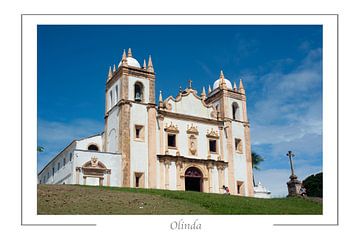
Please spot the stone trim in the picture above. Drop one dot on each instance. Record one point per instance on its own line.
(189, 117)
(171, 128)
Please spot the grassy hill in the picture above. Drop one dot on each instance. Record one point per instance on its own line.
(76, 199)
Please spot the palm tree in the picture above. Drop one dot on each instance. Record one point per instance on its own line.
(256, 160)
(40, 149)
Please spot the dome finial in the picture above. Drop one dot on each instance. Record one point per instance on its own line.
(222, 80)
(190, 83)
(241, 87)
(129, 53)
(123, 59)
(221, 74)
(110, 73)
(150, 65)
(161, 104)
(203, 94)
(144, 65)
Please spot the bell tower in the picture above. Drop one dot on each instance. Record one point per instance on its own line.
(130, 120)
(230, 103)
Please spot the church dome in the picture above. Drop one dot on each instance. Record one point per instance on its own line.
(131, 61)
(218, 81)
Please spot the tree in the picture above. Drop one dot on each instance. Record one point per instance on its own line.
(313, 185)
(256, 160)
(40, 149)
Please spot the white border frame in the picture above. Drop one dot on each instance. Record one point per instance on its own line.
(211, 223)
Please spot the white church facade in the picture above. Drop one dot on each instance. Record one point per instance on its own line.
(187, 142)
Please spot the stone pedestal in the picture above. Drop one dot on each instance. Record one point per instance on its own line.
(294, 186)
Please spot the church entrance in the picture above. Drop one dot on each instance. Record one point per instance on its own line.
(193, 179)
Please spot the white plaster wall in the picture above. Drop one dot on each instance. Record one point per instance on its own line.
(182, 138)
(138, 149)
(172, 176)
(113, 90)
(145, 82)
(226, 175)
(190, 105)
(157, 174)
(113, 130)
(110, 160)
(84, 143)
(239, 159)
(215, 181)
(65, 172)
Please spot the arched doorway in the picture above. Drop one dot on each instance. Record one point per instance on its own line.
(193, 179)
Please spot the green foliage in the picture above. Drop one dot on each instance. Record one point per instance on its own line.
(256, 160)
(314, 185)
(40, 149)
(71, 199)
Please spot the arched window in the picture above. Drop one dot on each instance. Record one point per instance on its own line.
(138, 92)
(116, 94)
(235, 111)
(111, 99)
(93, 147)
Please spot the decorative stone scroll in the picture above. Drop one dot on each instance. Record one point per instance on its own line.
(212, 134)
(192, 130)
(171, 128)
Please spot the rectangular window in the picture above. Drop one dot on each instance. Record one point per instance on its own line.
(53, 171)
(139, 132)
(70, 157)
(48, 175)
(64, 161)
(58, 166)
(212, 146)
(139, 180)
(238, 146)
(239, 187)
(172, 140)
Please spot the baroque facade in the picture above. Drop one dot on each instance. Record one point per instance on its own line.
(187, 142)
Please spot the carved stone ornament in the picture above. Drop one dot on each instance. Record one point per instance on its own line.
(171, 128)
(192, 130)
(168, 106)
(213, 114)
(212, 134)
(192, 147)
(94, 162)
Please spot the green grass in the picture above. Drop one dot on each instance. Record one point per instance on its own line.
(71, 199)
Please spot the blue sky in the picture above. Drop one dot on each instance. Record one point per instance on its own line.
(281, 68)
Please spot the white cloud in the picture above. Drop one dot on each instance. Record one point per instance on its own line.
(275, 179)
(56, 135)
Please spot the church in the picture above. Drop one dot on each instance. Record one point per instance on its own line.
(184, 142)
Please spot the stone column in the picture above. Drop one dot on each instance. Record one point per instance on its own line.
(108, 179)
(249, 169)
(161, 134)
(162, 179)
(151, 146)
(210, 169)
(230, 156)
(220, 169)
(178, 172)
(84, 179)
(167, 169)
(78, 175)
